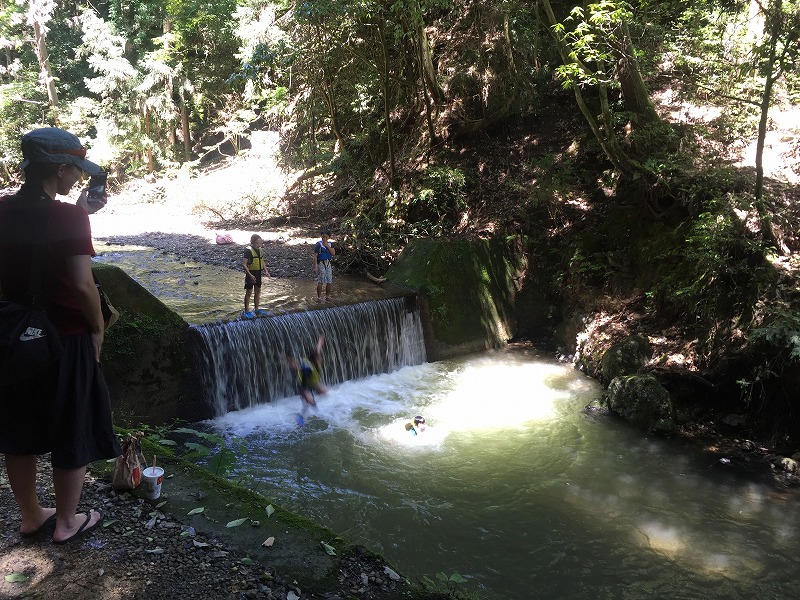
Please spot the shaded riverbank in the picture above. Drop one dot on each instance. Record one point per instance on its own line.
(159, 551)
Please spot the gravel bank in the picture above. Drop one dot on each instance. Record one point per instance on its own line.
(144, 551)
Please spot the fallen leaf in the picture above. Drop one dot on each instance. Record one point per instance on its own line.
(391, 573)
(329, 549)
(160, 504)
(109, 523)
(269, 510)
(155, 551)
(247, 561)
(16, 578)
(197, 511)
(268, 542)
(200, 544)
(237, 522)
(292, 596)
(127, 533)
(151, 523)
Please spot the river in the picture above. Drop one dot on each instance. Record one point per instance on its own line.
(516, 489)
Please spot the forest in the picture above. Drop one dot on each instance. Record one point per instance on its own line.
(606, 135)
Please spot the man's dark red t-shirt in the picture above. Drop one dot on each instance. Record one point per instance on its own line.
(66, 232)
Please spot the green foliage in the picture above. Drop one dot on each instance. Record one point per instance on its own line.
(779, 327)
(439, 200)
(593, 40)
(712, 270)
(449, 585)
(223, 452)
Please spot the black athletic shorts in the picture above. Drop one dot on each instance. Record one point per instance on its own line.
(248, 284)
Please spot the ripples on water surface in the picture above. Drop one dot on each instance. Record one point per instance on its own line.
(517, 490)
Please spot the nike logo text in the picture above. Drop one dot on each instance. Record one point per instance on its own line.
(31, 333)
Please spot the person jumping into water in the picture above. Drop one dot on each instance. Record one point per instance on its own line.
(308, 371)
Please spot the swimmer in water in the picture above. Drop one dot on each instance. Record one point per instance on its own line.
(417, 426)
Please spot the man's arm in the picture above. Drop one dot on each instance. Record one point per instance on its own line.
(79, 272)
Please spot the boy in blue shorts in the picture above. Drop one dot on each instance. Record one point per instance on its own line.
(254, 268)
(323, 269)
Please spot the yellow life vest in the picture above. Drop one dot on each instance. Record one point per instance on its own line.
(256, 262)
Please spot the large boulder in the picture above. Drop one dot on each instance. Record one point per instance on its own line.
(467, 288)
(625, 357)
(643, 401)
(144, 358)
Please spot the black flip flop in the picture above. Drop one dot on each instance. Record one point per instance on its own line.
(49, 523)
(83, 529)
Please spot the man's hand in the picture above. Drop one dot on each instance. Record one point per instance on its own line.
(97, 342)
(91, 207)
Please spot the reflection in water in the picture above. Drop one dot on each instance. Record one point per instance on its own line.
(517, 490)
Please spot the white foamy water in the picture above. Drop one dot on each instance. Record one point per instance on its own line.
(516, 489)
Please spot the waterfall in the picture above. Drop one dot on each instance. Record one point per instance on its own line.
(243, 363)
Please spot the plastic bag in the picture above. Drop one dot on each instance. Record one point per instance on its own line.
(224, 238)
(128, 468)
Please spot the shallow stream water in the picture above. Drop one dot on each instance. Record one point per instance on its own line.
(512, 486)
(515, 488)
(202, 293)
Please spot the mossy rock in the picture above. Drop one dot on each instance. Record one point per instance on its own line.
(643, 401)
(145, 359)
(468, 290)
(625, 357)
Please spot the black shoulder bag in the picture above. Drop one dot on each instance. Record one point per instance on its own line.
(29, 342)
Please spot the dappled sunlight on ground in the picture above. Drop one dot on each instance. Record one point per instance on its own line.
(24, 559)
(781, 145)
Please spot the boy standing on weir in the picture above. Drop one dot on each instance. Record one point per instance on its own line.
(323, 269)
(254, 268)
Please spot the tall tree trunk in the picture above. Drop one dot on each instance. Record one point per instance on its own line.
(537, 45)
(635, 95)
(167, 28)
(185, 131)
(426, 99)
(333, 113)
(147, 135)
(387, 112)
(426, 61)
(45, 73)
(772, 25)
